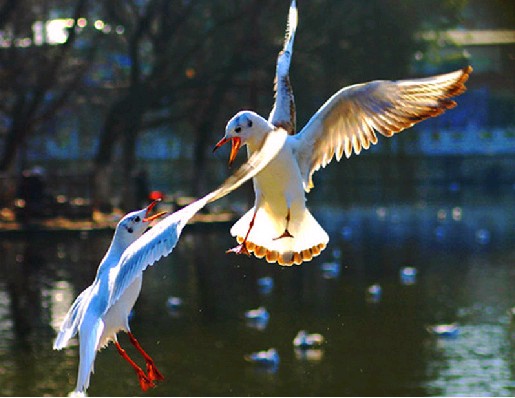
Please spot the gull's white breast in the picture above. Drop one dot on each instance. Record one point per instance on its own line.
(116, 318)
(280, 184)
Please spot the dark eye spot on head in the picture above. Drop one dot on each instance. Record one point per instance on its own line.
(130, 230)
(137, 219)
(238, 129)
(249, 123)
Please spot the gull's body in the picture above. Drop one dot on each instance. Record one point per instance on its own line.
(102, 309)
(279, 226)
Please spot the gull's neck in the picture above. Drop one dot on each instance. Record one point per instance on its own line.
(261, 130)
(113, 254)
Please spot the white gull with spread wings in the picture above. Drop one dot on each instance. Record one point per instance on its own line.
(279, 227)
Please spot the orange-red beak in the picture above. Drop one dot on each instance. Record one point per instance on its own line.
(149, 208)
(236, 144)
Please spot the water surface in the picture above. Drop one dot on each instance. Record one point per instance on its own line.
(464, 254)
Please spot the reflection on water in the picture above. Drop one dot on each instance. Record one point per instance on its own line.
(463, 257)
(60, 296)
(476, 363)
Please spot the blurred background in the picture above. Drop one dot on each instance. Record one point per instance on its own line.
(104, 104)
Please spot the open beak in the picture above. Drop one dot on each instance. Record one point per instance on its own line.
(149, 209)
(236, 144)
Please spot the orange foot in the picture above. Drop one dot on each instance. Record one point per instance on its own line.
(153, 373)
(240, 249)
(144, 381)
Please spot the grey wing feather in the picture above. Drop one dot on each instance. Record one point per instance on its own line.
(347, 122)
(283, 113)
(162, 238)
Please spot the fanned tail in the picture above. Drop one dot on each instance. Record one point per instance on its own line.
(308, 240)
(90, 331)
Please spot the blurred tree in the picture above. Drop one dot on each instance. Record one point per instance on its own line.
(37, 78)
(189, 65)
(180, 62)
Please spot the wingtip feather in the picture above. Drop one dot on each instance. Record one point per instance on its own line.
(62, 339)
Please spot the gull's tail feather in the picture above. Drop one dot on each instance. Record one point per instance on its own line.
(90, 331)
(78, 394)
(70, 324)
(308, 240)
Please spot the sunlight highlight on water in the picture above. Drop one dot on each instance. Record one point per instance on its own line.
(477, 363)
(62, 296)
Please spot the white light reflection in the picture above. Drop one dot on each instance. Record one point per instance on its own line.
(457, 213)
(99, 25)
(474, 364)
(57, 30)
(6, 323)
(61, 297)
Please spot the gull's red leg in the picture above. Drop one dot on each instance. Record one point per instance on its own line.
(242, 247)
(144, 381)
(286, 233)
(153, 373)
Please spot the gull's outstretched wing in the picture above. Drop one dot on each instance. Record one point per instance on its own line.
(162, 238)
(283, 113)
(348, 120)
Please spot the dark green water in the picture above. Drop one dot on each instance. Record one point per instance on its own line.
(464, 254)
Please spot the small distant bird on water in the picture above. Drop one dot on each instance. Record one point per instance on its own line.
(279, 227)
(408, 275)
(259, 313)
(330, 270)
(173, 303)
(374, 293)
(103, 308)
(269, 357)
(265, 284)
(257, 318)
(305, 340)
(444, 330)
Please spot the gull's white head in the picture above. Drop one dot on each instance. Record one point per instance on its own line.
(246, 127)
(134, 224)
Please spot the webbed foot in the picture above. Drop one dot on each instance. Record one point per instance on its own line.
(240, 249)
(285, 234)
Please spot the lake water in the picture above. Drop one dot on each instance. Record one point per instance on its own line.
(463, 251)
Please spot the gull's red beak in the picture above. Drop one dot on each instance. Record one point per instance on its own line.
(149, 208)
(236, 144)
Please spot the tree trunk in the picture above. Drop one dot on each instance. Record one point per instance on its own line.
(12, 143)
(129, 200)
(204, 129)
(123, 121)
(102, 187)
(15, 136)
